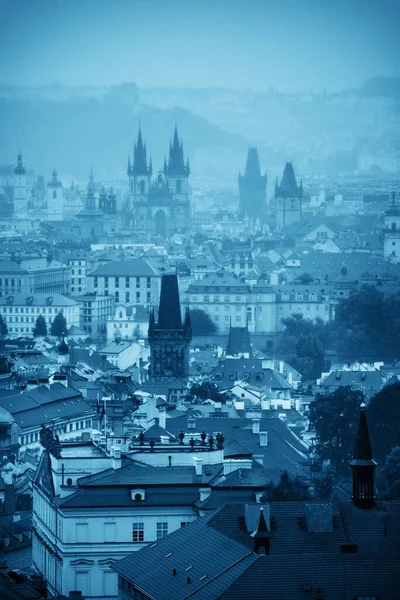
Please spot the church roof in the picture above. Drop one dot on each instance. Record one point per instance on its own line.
(288, 186)
(363, 451)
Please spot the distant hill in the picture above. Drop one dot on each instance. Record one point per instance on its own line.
(75, 133)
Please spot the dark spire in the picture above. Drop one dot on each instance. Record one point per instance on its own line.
(90, 193)
(238, 341)
(169, 312)
(188, 323)
(111, 201)
(176, 164)
(288, 187)
(19, 169)
(128, 170)
(152, 320)
(262, 535)
(54, 176)
(363, 466)
(151, 166)
(252, 164)
(139, 166)
(102, 198)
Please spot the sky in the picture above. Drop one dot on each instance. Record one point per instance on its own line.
(290, 45)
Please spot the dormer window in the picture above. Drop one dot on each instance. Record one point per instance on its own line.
(138, 495)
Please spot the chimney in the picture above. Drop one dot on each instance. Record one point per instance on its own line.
(281, 366)
(198, 465)
(263, 439)
(116, 460)
(255, 426)
(162, 417)
(44, 381)
(9, 506)
(204, 493)
(63, 379)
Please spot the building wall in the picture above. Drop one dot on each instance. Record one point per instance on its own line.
(21, 318)
(128, 290)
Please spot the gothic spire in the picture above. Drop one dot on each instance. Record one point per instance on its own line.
(169, 312)
(176, 164)
(252, 169)
(19, 169)
(288, 187)
(363, 466)
(139, 166)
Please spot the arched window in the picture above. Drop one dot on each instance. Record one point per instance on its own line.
(178, 186)
(6, 282)
(120, 314)
(299, 296)
(12, 282)
(393, 226)
(54, 194)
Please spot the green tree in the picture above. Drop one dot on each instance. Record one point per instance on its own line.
(3, 327)
(384, 420)
(390, 475)
(40, 328)
(335, 419)
(323, 486)
(205, 390)
(286, 490)
(202, 323)
(309, 358)
(59, 325)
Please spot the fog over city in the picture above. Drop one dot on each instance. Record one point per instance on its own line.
(199, 299)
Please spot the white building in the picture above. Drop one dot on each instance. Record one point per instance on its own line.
(128, 323)
(20, 311)
(54, 199)
(124, 354)
(391, 240)
(20, 189)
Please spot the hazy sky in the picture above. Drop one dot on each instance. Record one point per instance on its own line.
(286, 44)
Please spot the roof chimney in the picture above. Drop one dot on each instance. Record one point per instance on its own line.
(255, 426)
(198, 465)
(263, 439)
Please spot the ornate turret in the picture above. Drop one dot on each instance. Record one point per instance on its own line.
(90, 193)
(168, 337)
(111, 203)
(363, 466)
(253, 187)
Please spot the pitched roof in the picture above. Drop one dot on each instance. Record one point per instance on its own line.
(169, 312)
(239, 342)
(136, 267)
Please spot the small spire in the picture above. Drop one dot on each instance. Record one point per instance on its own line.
(151, 166)
(128, 170)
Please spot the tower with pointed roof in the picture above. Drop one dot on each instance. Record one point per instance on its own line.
(363, 466)
(288, 198)
(91, 218)
(391, 237)
(159, 205)
(20, 189)
(253, 188)
(169, 336)
(54, 198)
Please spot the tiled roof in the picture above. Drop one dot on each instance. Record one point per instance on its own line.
(35, 299)
(136, 267)
(250, 370)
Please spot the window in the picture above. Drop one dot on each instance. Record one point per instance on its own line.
(162, 529)
(105, 281)
(126, 281)
(137, 296)
(148, 282)
(138, 532)
(96, 282)
(206, 298)
(184, 523)
(116, 282)
(54, 194)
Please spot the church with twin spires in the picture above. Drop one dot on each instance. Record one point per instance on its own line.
(158, 203)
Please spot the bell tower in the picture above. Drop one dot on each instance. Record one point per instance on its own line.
(391, 236)
(20, 191)
(288, 198)
(169, 337)
(253, 188)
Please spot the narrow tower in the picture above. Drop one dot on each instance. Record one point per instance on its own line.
(169, 337)
(363, 466)
(20, 191)
(391, 236)
(139, 172)
(288, 197)
(253, 188)
(54, 198)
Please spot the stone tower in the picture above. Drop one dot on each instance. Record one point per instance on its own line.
(20, 190)
(363, 466)
(288, 198)
(169, 337)
(90, 218)
(391, 239)
(54, 198)
(253, 188)
(139, 172)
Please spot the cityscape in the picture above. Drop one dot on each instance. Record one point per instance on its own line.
(199, 300)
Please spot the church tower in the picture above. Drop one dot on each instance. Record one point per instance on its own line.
(391, 236)
(253, 188)
(288, 198)
(363, 466)
(54, 198)
(169, 337)
(20, 191)
(90, 218)
(139, 172)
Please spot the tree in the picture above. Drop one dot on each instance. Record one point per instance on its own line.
(286, 490)
(204, 391)
(3, 327)
(202, 323)
(59, 325)
(335, 419)
(390, 475)
(323, 486)
(384, 420)
(309, 358)
(40, 328)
